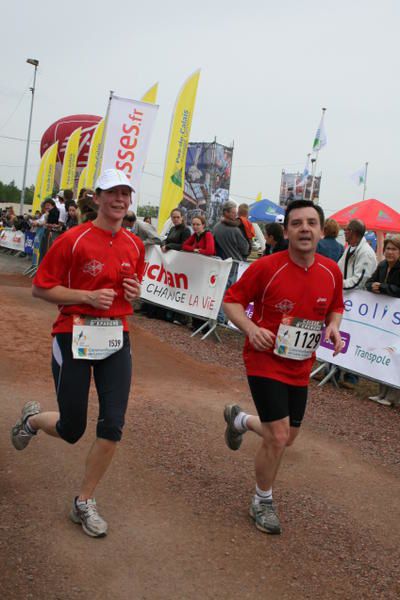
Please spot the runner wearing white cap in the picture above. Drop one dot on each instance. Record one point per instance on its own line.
(93, 273)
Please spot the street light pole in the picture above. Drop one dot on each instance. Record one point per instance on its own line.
(35, 63)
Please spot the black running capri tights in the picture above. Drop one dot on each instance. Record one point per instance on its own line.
(72, 376)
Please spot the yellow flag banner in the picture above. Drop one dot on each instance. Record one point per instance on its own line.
(175, 161)
(259, 197)
(94, 159)
(49, 172)
(37, 195)
(151, 95)
(70, 157)
(81, 182)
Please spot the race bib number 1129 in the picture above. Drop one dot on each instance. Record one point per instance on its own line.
(298, 338)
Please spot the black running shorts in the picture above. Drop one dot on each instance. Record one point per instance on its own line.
(112, 377)
(275, 400)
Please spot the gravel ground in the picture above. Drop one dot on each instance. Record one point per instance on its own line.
(345, 414)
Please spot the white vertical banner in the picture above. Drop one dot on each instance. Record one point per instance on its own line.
(127, 135)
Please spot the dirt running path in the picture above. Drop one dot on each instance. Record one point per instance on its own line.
(176, 498)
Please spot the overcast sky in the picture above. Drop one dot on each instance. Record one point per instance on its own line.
(267, 69)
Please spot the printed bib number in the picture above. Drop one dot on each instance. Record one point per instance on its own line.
(95, 339)
(298, 338)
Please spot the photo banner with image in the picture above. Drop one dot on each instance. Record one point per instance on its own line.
(207, 180)
(186, 282)
(294, 186)
(127, 135)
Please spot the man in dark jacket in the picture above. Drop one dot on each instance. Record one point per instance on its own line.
(274, 238)
(230, 243)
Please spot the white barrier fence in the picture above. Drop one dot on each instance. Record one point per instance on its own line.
(370, 330)
(13, 240)
(185, 282)
(195, 284)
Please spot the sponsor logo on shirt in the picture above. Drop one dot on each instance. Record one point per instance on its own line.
(93, 267)
(285, 306)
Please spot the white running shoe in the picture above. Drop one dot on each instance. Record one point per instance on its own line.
(19, 437)
(85, 514)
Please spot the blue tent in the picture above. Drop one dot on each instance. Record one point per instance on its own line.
(265, 211)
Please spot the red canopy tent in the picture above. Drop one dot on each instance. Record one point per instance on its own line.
(376, 216)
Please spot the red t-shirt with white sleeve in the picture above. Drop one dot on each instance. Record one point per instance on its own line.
(280, 288)
(89, 258)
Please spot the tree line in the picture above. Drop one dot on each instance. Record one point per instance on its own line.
(9, 192)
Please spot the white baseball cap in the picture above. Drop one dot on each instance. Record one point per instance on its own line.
(111, 178)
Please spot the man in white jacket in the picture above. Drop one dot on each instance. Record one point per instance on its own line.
(358, 261)
(357, 264)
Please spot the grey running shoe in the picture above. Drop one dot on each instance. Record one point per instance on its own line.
(265, 516)
(19, 437)
(233, 437)
(85, 514)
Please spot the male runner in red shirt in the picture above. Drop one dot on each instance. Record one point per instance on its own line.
(93, 273)
(296, 293)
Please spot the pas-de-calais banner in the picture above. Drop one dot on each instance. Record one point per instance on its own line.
(94, 158)
(14, 240)
(49, 171)
(175, 160)
(127, 135)
(185, 282)
(67, 181)
(370, 330)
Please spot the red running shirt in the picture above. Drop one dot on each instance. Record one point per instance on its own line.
(89, 258)
(279, 287)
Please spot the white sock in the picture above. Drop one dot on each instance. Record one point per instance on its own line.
(240, 422)
(262, 495)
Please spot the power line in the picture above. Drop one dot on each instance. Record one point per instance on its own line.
(9, 137)
(16, 108)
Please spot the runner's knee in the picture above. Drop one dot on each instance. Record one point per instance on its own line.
(69, 433)
(277, 438)
(109, 430)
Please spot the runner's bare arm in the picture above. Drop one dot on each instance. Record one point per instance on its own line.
(260, 338)
(332, 332)
(59, 294)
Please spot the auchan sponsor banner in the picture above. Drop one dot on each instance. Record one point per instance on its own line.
(371, 333)
(127, 137)
(185, 282)
(14, 240)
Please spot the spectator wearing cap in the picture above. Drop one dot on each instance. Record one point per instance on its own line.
(60, 204)
(329, 246)
(275, 239)
(358, 261)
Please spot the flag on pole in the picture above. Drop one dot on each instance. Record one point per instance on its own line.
(37, 195)
(151, 95)
(175, 160)
(359, 176)
(94, 155)
(82, 181)
(49, 171)
(306, 171)
(320, 137)
(127, 136)
(70, 157)
(259, 197)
